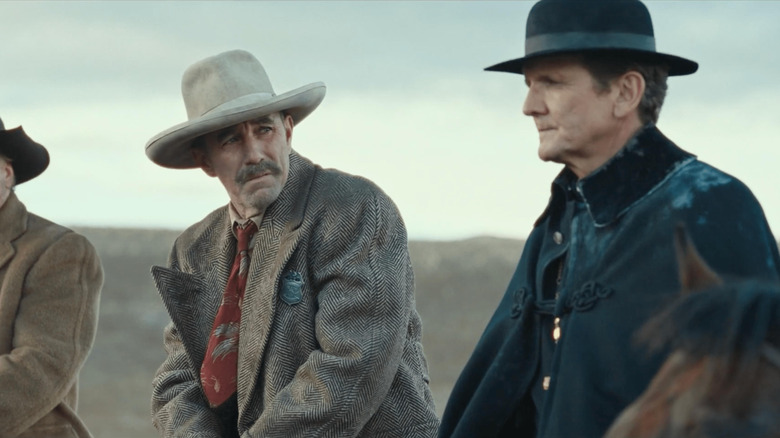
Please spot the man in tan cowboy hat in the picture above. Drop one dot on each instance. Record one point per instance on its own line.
(50, 281)
(557, 359)
(292, 307)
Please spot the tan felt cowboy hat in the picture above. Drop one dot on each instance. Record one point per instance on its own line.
(28, 158)
(221, 91)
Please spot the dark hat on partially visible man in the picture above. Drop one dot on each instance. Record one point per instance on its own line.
(571, 26)
(28, 158)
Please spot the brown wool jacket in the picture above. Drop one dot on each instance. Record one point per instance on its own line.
(50, 282)
(330, 338)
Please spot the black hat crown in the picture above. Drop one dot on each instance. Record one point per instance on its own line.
(571, 26)
(28, 158)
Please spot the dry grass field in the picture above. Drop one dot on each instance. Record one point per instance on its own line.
(458, 285)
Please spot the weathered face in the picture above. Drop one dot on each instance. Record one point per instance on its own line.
(6, 179)
(251, 159)
(575, 122)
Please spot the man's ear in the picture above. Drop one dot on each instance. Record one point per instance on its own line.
(630, 88)
(7, 170)
(289, 124)
(199, 155)
(7, 173)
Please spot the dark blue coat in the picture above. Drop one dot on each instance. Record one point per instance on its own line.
(615, 229)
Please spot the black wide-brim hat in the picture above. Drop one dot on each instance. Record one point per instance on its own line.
(574, 26)
(28, 158)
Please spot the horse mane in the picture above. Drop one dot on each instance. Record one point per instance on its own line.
(713, 316)
(723, 333)
(736, 317)
(722, 376)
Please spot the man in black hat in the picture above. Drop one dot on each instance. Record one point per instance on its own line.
(50, 281)
(557, 358)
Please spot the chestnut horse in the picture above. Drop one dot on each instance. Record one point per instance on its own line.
(722, 377)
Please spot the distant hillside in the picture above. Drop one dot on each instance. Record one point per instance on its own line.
(458, 285)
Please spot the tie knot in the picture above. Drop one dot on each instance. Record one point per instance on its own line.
(244, 234)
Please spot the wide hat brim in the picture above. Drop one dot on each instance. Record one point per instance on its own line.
(28, 158)
(677, 65)
(171, 148)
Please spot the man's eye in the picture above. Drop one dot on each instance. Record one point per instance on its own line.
(544, 83)
(229, 140)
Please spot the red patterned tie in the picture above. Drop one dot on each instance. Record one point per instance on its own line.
(219, 369)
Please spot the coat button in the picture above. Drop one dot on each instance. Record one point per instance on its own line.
(558, 237)
(546, 383)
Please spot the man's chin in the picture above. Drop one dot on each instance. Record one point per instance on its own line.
(545, 154)
(262, 199)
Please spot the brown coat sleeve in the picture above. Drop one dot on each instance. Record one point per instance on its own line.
(53, 330)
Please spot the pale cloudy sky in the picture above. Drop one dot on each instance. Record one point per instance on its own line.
(408, 104)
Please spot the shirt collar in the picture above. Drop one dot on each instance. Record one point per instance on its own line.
(237, 220)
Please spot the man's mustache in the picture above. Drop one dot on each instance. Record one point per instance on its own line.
(253, 170)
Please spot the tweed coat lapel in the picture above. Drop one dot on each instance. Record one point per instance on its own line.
(192, 300)
(13, 223)
(275, 242)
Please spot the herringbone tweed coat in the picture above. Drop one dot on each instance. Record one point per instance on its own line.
(330, 338)
(50, 281)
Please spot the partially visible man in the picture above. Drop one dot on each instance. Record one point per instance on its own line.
(50, 281)
(557, 357)
(292, 306)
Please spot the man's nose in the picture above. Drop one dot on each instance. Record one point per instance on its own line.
(255, 150)
(533, 104)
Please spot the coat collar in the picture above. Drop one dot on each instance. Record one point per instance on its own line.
(275, 242)
(13, 219)
(13, 223)
(283, 215)
(287, 211)
(641, 166)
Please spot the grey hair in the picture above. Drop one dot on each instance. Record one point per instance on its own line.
(605, 67)
(200, 141)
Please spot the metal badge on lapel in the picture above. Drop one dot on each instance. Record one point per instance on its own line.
(292, 284)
